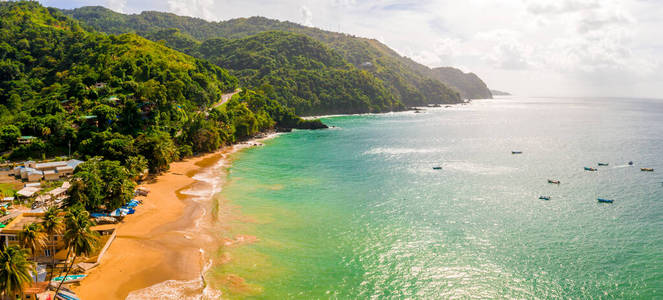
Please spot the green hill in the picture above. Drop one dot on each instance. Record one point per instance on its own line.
(302, 73)
(469, 85)
(410, 83)
(122, 97)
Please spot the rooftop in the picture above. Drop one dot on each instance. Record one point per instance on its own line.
(28, 191)
(36, 288)
(53, 164)
(74, 163)
(21, 221)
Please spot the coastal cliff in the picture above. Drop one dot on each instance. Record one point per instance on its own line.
(469, 85)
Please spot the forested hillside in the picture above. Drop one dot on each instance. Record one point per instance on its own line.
(301, 72)
(410, 83)
(469, 85)
(121, 97)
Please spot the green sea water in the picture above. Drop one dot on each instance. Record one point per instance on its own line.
(357, 211)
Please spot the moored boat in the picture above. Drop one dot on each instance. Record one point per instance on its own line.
(602, 200)
(553, 181)
(544, 197)
(647, 169)
(590, 169)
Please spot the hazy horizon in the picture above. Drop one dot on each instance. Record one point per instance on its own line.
(570, 48)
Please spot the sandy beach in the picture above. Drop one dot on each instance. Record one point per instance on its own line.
(162, 242)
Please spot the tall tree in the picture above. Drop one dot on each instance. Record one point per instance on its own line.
(78, 236)
(53, 224)
(15, 269)
(33, 237)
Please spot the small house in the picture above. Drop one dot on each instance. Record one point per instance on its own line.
(37, 290)
(51, 175)
(28, 192)
(31, 175)
(25, 139)
(65, 171)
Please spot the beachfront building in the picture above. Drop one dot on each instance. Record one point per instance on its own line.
(37, 290)
(31, 171)
(9, 236)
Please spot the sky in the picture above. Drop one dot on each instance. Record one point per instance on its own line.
(569, 48)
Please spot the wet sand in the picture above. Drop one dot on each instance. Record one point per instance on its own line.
(162, 240)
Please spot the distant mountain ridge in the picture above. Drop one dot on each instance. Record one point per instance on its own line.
(500, 93)
(410, 82)
(469, 85)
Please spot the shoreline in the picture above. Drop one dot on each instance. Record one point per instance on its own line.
(156, 247)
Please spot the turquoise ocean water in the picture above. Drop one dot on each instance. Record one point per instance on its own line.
(357, 211)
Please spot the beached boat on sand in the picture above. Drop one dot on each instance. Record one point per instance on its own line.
(553, 181)
(602, 164)
(544, 197)
(646, 169)
(69, 278)
(590, 169)
(516, 152)
(601, 200)
(66, 295)
(437, 168)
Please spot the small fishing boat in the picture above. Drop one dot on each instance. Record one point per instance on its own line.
(602, 164)
(590, 169)
(544, 197)
(516, 152)
(646, 169)
(66, 295)
(630, 163)
(553, 181)
(605, 200)
(437, 168)
(69, 278)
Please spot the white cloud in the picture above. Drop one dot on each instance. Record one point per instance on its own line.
(117, 5)
(307, 15)
(193, 8)
(559, 6)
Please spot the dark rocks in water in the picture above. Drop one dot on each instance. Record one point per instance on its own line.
(311, 124)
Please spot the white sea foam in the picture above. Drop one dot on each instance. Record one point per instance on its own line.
(194, 289)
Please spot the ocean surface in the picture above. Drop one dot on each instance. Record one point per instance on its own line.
(357, 211)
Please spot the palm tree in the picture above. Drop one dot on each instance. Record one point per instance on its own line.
(53, 225)
(78, 237)
(33, 237)
(15, 270)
